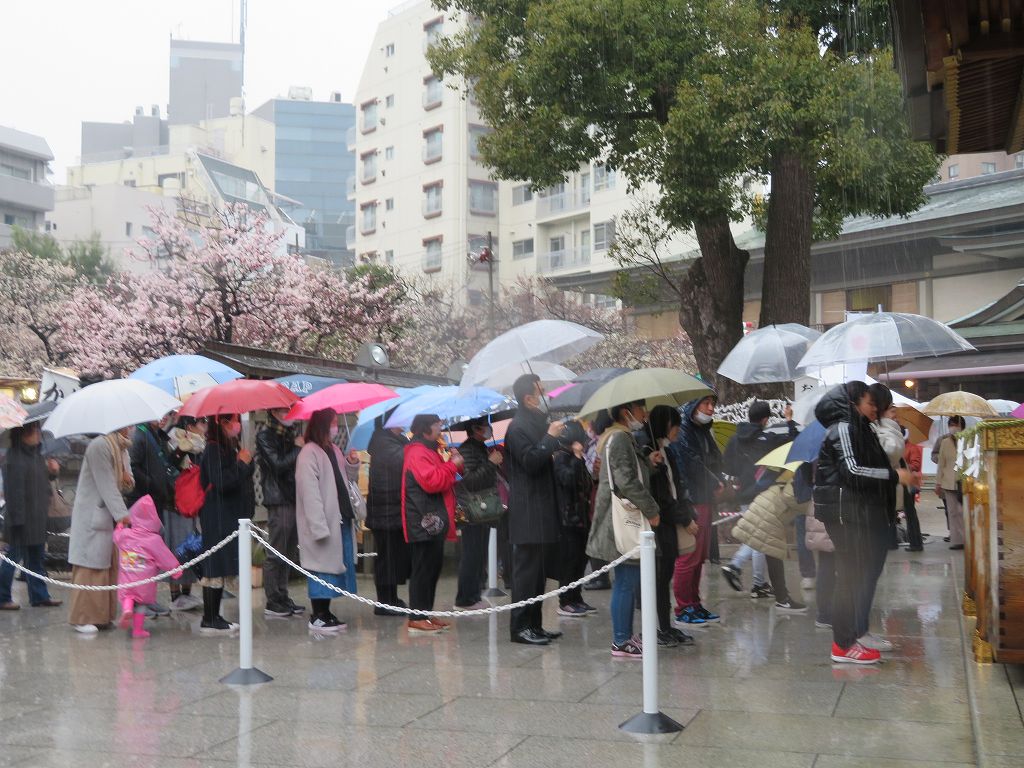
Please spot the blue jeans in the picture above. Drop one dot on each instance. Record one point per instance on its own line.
(32, 558)
(624, 587)
(808, 569)
(745, 553)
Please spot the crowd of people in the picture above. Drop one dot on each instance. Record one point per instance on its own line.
(148, 496)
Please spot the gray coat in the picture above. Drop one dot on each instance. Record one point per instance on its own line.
(317, 511)
(98, 505)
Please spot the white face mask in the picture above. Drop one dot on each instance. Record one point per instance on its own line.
(702, 418)
(633, 425)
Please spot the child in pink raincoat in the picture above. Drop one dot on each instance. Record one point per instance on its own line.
(143, 554)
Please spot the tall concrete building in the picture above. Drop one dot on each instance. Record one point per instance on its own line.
(312, 163)
(145, 134)
(205, 77)
(25, 192)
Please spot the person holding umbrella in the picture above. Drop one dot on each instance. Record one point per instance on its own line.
(27, 492)
(225, 472)
(575, 487)
(384, 515)
(479, 476)
(947, 487)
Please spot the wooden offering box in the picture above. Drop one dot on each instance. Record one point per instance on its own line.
(994, 549)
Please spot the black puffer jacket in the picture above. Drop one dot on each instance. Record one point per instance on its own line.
(384, 497)
(854, 482)
(277, 453)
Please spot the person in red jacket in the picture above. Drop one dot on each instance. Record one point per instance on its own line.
(912, 456)
(428, 516)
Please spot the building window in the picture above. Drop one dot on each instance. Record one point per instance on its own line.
(432, 254)
(368, 222)
(433, 145)
(521, 194)
(389, 153)
(389, 204)
(522, 249)
(432, 93)
(1018, 160)
(954, 171)
(389, 101)
(585, 245)
(478, 242)
(369, 163)
(127, 229)
(604, 178)
(604, 235)
(483, 197)
(389, 257)
(432, 32)
(369, 110)
(987, 168)
(869, 299)
(389, 50)
(475, 132)
(432, 200)
(17, 172)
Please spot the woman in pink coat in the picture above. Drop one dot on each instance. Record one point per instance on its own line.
(143, 554)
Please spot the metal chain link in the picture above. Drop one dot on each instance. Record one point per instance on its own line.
(110, 587)
(267, 534)
(449, 614)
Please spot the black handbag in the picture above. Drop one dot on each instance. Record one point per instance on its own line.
(481, 508)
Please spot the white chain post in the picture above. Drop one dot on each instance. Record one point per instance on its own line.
(492, 566)
(652, 719)
(246, 674)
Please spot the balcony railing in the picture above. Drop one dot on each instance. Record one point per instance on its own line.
(567, 258)
(565, 202)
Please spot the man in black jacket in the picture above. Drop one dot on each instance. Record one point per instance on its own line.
(391, 567)
(277, 449)
(534, 525)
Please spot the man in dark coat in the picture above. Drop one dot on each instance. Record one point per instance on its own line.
(391, 567)
(534, 525)
(277, 449)
(27, 491)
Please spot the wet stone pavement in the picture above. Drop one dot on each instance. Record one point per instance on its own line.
(758, 690)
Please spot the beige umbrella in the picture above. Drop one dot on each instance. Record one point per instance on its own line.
(960, 404)
(918, 423)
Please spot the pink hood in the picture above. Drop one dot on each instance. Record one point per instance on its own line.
(144, 515)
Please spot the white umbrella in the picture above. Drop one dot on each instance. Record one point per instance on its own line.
(769, 354)
(548, 341)
(1004, 407)
(108, 406)
(884, 336)
(503, 378)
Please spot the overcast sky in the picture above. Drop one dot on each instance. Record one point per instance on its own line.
(65, 61)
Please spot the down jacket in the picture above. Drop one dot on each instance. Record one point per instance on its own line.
(763, 526)
(428, 493)
(697, 454)
(816, 537)
(384, 499)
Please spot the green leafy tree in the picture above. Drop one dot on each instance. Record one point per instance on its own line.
(701, 98)
(89, 258)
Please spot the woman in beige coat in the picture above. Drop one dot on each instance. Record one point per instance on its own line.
(324, 518)
(944, 456)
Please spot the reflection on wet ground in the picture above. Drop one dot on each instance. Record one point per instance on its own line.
(758, 691)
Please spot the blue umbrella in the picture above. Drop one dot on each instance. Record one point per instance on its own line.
(364, 428)
(808, 443)
(181, 375)
(304, 384)
(446, 403)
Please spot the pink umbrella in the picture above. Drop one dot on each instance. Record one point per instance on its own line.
(559, 390)
(342, 398)
(11, 413)
(238, 396)
(1018, 412)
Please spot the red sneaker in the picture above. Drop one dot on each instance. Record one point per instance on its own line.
(855, 654)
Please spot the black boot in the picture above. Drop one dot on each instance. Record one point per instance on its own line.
(213, 622)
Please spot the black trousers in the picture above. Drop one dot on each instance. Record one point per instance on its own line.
(777, 576)
(572, 550)
(391, 565)
(529, 575)
(913, 524)
(859, 559)
(472, 562)
(427, 558)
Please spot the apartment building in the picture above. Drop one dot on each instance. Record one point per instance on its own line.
(957, 167)
(25, 192)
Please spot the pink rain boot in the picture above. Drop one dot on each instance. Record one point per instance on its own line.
(127, 606)
(138, 619)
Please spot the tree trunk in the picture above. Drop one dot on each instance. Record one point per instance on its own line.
(711, 310)
(786, 286)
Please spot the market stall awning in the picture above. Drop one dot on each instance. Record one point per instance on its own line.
(952, 366)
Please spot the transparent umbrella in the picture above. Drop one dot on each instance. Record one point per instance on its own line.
(768, 355)
(884, 336)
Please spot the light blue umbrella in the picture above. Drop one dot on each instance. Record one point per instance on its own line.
(181, 375)
(364, 428)
(450, 406)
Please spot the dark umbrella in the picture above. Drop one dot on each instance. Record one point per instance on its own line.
(808, 443)
(571, 400)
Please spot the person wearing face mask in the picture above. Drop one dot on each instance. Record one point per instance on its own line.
(946, 484)
(627, 474)
(575, 488)
(186, 442)
(99, 503)
(479, 476)
(696, 453)
(533, 521)
(277, 449)
(225, 472)
(854, 487)
(384, 515)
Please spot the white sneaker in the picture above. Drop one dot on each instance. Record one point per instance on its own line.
(874, 641)
(807, 584)
(86, 629)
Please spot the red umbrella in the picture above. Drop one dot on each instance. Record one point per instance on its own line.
(239, 396)
(342, 398)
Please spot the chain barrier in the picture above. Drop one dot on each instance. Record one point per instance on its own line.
(110, 587)
(267, 535)
(631, 555)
